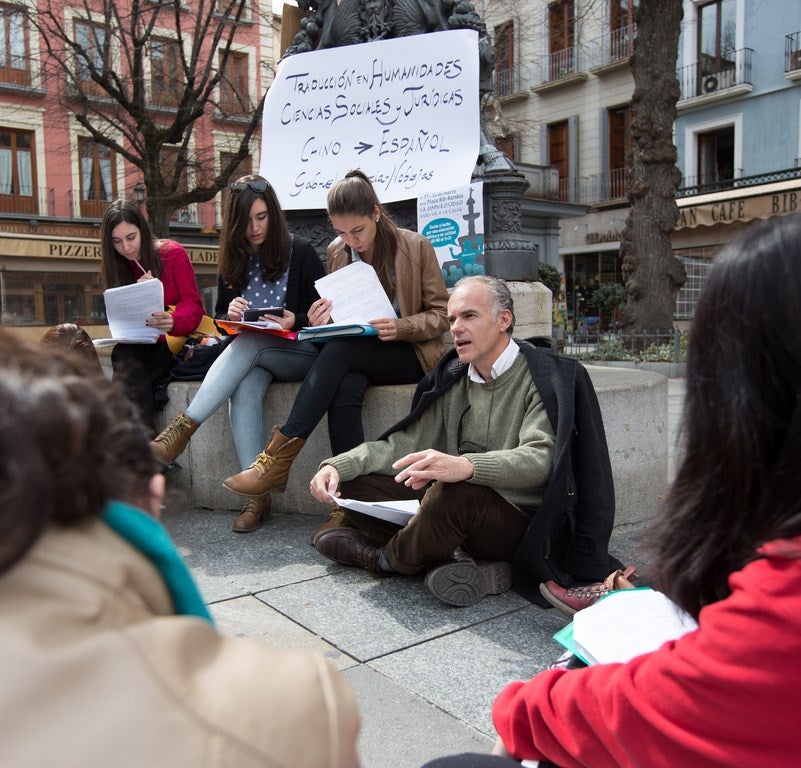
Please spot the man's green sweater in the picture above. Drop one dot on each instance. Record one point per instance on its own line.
(505, 433)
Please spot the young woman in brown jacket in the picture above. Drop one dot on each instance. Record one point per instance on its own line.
(403, 350)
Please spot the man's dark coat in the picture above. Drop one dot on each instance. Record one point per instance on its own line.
(568, 538)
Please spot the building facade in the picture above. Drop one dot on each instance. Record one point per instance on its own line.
(56, 180)
(563, 106)
(738, 130)
(563, 89)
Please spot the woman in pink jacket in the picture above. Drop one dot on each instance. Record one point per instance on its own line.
(726, 549)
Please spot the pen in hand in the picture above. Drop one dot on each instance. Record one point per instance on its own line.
(136, 261)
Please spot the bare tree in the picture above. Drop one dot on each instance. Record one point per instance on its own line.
(653, 274)
(141, 91)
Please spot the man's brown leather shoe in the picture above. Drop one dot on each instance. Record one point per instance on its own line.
(348, 546)
(464, 581)
(336, 519)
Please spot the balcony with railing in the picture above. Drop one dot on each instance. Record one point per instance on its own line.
(509, 83)
(608, 189)
(35, 201)
(87, 208)
(18, 74)
(792, 56)
(557, 69)
(692, 186)
(613, 50)
(716, 77)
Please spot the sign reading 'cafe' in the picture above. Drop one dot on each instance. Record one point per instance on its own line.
(739, 209)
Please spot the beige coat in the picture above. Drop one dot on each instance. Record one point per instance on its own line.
(422, 296)
(98, 672)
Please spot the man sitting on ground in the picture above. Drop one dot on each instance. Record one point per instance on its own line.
(478, 451)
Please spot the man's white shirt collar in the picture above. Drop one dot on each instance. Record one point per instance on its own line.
(502, 364)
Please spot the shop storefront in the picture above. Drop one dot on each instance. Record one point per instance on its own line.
(590, 254)
(49, 274)
(589, 246)
(707, 222)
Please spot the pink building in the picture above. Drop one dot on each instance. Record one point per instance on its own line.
(56, 179)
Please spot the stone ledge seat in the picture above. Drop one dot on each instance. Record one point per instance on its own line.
(634, 407)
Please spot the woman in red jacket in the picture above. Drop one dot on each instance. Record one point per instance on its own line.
(726, 549)
(131, 255)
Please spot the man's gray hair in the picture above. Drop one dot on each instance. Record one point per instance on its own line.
(500, 295)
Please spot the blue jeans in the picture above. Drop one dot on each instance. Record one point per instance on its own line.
(242, 374)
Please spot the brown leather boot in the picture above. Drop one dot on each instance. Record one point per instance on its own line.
(350, 547)
(270, 470)
(253, 510)
(173, 440)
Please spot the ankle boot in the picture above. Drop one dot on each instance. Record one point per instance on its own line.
(270, 470)
(253, 510)
(172, 442)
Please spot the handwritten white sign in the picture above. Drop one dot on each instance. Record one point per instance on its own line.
(405, 111)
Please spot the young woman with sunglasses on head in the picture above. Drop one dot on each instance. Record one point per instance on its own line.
(131, 255)
(260, 265)
(403, 350)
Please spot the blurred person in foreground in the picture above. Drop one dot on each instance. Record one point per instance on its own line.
(109, 654)
(726, 549)
(73, 337)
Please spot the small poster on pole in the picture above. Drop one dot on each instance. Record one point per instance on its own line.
(453, 222)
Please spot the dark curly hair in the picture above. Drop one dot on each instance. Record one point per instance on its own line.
(70, 440)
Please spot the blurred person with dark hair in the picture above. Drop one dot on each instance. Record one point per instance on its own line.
(73, 337)
(109, 653)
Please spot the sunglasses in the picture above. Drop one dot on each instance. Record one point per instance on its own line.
(468, 446)
(257, 185)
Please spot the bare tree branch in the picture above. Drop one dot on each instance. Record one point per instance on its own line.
(97, 62)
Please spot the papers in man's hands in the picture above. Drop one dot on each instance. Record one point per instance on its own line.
(357, 294)
(127, 308)
(624, 624)
(398, 512)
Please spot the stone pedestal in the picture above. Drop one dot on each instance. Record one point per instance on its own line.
(533, 304)
(508, 254)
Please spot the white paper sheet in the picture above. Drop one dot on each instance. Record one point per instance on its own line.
(398, 512)
(628, 623)
(127, 308)
(357, 294)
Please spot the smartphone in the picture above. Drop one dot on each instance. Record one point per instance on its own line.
(251, 315)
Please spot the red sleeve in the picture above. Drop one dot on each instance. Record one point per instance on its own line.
(180, 287)
(727, 694)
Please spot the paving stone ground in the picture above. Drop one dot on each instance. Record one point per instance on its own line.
(424, 673)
